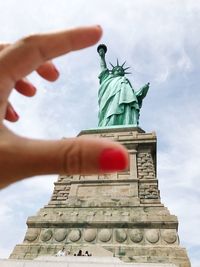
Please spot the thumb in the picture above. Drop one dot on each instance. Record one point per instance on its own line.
(81, 155)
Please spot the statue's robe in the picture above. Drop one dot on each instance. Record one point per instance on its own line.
(119, 104)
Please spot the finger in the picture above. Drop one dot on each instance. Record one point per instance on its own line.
(3, 45)
(48, 71)
(11, 114)
(20, 59)
(68, 156)
(29, 53)
(26, 88)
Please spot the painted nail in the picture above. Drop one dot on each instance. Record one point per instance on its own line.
(33, 88)
(55, 69)
(112, 160)
(16, 115)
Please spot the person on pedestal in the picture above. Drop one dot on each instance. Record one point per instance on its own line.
(61, 253)
(80, 253)
(86, 253)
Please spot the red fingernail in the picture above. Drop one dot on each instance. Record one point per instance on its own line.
(54, 68)
(33, 89)
(16, 115)
(112, 160)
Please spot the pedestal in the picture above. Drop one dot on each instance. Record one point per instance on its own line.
(120, 212)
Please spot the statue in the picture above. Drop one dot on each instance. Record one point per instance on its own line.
(119, 104)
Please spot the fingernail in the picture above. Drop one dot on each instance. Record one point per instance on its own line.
(57, 72)
(112, 160)
(33, 88)
(16, 115)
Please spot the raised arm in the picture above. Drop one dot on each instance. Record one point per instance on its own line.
(102, 49)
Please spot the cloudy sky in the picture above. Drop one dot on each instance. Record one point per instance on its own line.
(160, 40)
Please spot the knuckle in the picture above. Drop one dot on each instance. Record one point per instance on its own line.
(30, 39)
(34, 42)
(72, 159)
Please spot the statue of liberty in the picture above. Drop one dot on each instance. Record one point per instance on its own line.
(119, 104)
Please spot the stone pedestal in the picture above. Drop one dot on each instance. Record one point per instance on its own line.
(120, 212)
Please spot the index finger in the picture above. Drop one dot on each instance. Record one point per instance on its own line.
(26, 55)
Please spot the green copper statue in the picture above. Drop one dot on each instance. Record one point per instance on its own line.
(119, 104)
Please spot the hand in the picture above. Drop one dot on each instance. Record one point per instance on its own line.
(47, 70)
(21, 157)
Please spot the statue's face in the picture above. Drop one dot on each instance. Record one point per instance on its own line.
(118, 71)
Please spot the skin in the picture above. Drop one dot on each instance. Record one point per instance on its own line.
(21, 157)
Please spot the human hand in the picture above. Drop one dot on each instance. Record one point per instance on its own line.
(47, 70)
(21, 157)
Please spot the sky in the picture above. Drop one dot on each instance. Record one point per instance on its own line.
(160, 40)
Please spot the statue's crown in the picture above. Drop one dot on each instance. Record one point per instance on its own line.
(121, 66)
